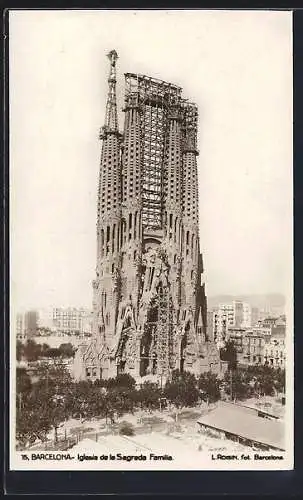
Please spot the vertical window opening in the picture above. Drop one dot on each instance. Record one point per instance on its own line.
(114, 238)
(102, 242)
(107, 239)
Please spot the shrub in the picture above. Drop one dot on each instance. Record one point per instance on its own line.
(126, 429)
(123, 380)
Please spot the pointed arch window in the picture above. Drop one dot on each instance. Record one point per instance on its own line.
(114, 238)
(107, 239)
(175, 233)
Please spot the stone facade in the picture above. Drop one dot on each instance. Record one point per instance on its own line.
(149, 298)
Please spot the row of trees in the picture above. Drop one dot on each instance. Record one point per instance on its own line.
(254, 381)
(32, 351)
(43, 404)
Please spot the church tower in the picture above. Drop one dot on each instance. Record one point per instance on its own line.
(149, 298)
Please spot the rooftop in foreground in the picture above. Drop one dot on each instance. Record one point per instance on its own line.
(230, 419)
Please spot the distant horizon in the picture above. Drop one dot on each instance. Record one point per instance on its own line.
(89, 306)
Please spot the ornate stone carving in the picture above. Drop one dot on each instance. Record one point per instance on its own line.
(151, 297)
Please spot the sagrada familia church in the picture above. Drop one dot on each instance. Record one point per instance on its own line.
(149, 302)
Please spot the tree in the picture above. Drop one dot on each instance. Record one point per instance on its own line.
(78, 400)
(181, 389)
(23, 381)
(44, 350)
(32, 350)
(126, 429)
(67, 350)
(120, 400)
(34, 416)
(53, 352)
(53, 391)
(53, 378)
(23, 389)
(122, 380)
(43, 330)
(265, 378)
(101, 382)
(148, 396)
(44, 404)
(19, 350)
(56, 412)
(209, 385)
(279, 382)
(32, 421)
(237, 385)
(229, 353)
(266, 381)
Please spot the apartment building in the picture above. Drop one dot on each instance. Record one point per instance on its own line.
(275, 353)
(237, 314)
(72, 320)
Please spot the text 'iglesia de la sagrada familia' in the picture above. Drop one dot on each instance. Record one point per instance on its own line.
(149, 302)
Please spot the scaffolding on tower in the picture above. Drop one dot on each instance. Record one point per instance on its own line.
(163, 337)
(153, 97)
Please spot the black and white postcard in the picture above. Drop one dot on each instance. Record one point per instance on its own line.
(151, 259)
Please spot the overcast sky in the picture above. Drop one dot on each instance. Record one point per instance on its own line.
(237, 66)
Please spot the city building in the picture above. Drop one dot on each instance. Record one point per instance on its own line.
(234, 332)
(264, 331)
(255, 313)
(26, 325)
(278, 330)
(253, 349)
(20, 327)
(149, 298)
(275, 353)
(72, 320)
(260, 344)
(31, 323)
(250, 315)
(223, 319)
(276, 325)
(45, 321)
(275, 349)
(210, 328)
(248, 344)
(269, 321)
(237, 314)
(55, 326)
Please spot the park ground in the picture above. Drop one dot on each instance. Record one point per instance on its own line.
(179, 425)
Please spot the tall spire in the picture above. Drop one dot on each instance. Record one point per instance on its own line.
(111, 116)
